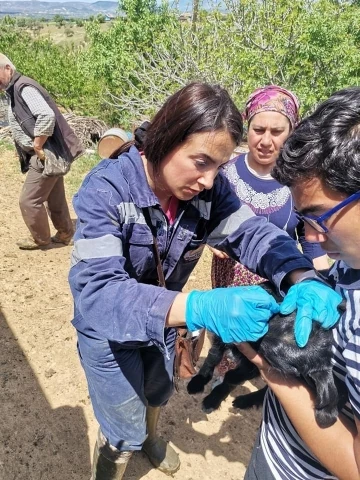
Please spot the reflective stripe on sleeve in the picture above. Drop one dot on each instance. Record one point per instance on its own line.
(101, 247)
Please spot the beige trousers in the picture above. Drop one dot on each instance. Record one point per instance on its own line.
(37, 190)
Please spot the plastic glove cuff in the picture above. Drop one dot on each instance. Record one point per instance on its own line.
(192, 319)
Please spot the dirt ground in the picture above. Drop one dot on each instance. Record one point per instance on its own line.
(47, 425)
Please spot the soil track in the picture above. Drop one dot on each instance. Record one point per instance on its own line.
(47, 426)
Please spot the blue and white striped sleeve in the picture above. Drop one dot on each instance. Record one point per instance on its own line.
(45, 116)
(351, 353)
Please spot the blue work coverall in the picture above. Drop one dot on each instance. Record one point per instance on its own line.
(120, 312)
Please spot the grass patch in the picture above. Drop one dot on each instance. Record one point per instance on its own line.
(6, 146)
(61, 35)
(12, 160)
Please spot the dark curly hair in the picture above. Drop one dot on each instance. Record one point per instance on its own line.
(325, 145)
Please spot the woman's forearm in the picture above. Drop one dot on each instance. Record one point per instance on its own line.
(176, 313)
(295, 275)
(333, 446)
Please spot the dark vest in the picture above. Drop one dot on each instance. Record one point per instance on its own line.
(63, 141)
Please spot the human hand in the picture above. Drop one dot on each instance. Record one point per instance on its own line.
(273, 377)
(40, 153)
(218, 253)
(314, 301)
(235, 314)
(38, 144)
(259, 361)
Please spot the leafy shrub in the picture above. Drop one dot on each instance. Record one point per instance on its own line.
(123, 73)
(69, 32)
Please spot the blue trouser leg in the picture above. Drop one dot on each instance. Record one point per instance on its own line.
(158, 376)
(122, 382)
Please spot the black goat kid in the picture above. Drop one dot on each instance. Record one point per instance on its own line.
(312, 364)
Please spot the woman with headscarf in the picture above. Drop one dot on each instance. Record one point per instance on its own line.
(271, 113)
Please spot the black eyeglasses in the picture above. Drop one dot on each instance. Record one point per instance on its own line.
(317, 222)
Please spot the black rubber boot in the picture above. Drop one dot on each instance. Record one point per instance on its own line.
(108, 462)
(160, 453)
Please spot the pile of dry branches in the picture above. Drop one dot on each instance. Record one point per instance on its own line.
(88, 129)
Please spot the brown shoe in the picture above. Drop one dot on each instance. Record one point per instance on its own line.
(30, 244)
(65, 238)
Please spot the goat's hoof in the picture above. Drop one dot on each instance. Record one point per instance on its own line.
(207, 409)
(208, 405)
(196, 385)
(242, 402)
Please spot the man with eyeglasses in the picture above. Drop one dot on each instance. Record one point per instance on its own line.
(320, 162)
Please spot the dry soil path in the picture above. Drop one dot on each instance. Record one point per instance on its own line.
(47, 428)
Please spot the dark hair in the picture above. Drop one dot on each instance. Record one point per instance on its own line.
(325, 145)
(196, 108)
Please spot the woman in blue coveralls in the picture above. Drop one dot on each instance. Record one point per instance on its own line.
(124, 320)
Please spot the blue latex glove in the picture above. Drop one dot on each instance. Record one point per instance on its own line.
(314, 301)
(235, 314)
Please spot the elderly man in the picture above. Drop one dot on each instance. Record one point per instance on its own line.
(320, 162)
(39, 131)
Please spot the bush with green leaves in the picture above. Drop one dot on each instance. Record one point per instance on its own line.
(58, 69)
(69, 32)
(311, 47)
(122, 74)
(21, 22)
(100, 17)
(59, 20)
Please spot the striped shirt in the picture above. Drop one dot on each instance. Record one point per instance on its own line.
(286, 454)
(45, 118)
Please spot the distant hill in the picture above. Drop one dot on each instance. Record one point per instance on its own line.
(49, 9)
(39, 9)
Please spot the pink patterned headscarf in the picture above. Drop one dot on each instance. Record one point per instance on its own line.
(275, 99)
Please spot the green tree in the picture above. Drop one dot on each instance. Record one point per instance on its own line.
(100, 18)
(59, 20)
(21, 22)
(112, 53)
(69, 32)
(124, 72)
(8, 20)
(311, 47)
(58, 69)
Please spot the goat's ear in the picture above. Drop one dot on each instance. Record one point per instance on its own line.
(326, 411)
